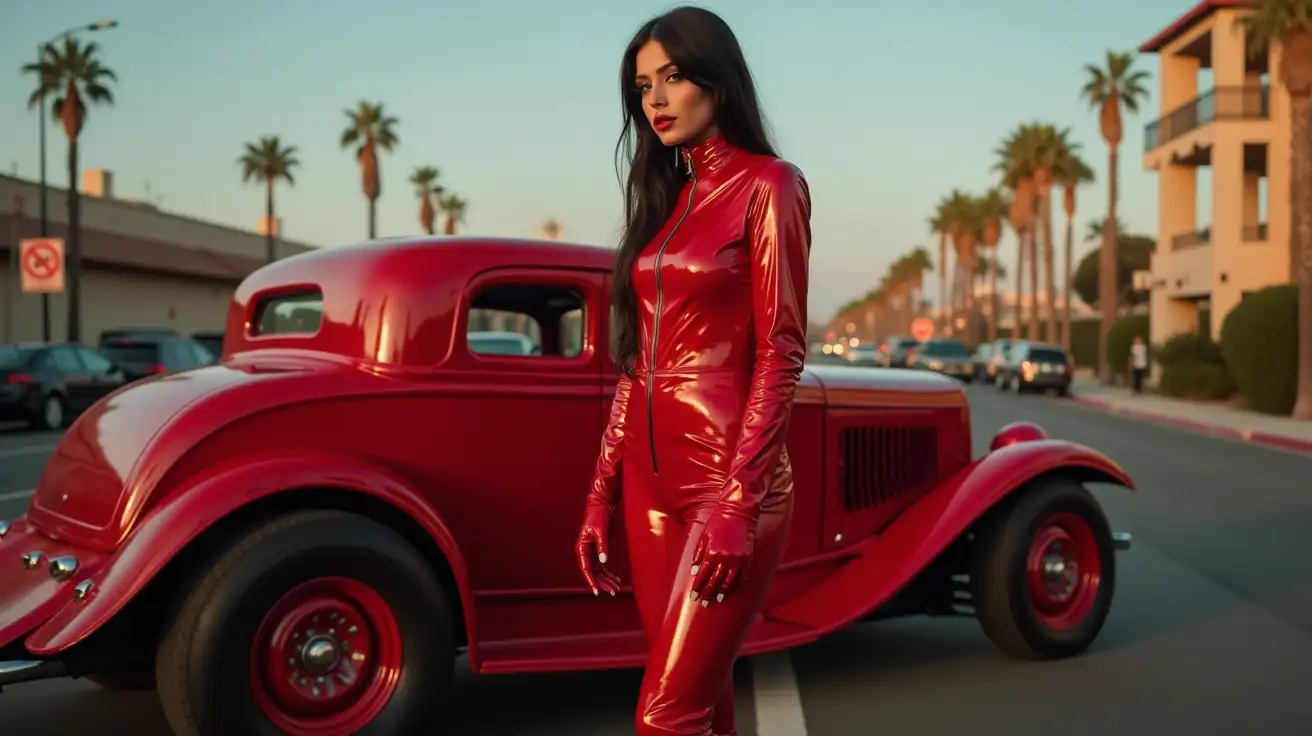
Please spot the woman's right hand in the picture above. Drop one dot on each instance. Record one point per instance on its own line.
(591, 551)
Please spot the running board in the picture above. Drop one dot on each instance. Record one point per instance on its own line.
(15, 672)
(1122, 541)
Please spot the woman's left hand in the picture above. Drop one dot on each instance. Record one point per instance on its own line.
(721, 557)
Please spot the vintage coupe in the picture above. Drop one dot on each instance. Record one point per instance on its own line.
(303, 537)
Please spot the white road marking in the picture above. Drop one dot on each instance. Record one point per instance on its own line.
(28, 450)
(778, 703)
(17, 495)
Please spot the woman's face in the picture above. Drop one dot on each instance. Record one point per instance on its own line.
(679, 111)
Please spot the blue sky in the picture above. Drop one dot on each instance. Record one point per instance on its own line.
(885, 108)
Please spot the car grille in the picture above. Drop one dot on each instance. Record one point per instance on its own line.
(883, 465)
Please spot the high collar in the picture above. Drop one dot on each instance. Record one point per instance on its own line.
(708, 157)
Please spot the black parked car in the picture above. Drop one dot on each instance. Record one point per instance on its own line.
(155, 355)
(893, 353)
(213, 341)
(47, 385)
(128, 333)
(1036, 366)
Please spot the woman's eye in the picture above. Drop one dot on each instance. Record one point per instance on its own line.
(674, 77)
(642, 88)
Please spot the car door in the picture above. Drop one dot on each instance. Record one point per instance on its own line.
(79, 386)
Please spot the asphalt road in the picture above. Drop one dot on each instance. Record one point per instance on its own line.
(1211, 632)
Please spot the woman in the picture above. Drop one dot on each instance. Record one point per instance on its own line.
(710, 307)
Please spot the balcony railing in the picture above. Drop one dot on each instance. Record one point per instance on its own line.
(1220, 103)
(1191, 240)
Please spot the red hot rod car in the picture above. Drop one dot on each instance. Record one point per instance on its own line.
(302, 538)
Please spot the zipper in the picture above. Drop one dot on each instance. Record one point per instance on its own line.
(656, 322)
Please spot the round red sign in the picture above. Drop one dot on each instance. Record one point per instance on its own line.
(922, 328)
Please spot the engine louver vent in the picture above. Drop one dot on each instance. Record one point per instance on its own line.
(882, 465)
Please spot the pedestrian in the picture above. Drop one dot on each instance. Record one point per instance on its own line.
(710, 292)
(1138, 363)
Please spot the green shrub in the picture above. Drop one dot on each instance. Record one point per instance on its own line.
(1190, 347)
(1121, 337)
(1259, 339)
(1191, 379)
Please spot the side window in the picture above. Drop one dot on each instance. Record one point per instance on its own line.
(526, 319)
(66, 360)
(299, 313)
(94, 362)
(201, 354)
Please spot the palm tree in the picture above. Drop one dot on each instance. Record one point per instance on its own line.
(938, 225)
(1050, 145)
(916, 263)
(265, 162)
(454, 207)
(1071, 172)
(1096, 227)
(966, 223)
(370, 131)
(74, 76)
(1016, 163)
(552, 229)
(426, 187)
(1288, 24)
(1108, 88)
(993, 208)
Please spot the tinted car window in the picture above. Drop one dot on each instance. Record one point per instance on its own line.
(66, 360)
(1047, 355)
(13, 356)
(946, 349)
(906, 344)
(94, 362)
(132, 354)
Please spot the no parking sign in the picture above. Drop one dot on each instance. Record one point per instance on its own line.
(42, 261)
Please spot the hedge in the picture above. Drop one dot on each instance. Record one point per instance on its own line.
(1259, 340)
(1084, 340)
(1193, 367)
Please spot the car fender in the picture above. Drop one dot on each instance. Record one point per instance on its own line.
(184, 514)
(883, 564)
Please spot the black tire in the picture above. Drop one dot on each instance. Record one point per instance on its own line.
(204, 662)
(1000, 585)
(41, 421)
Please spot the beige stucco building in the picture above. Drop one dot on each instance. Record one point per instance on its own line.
(142, 266)
(1212, 252)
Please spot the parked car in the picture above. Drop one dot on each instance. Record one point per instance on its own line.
(489, 342)
(1000, 359)
(141, 356)
(211, 341)
(948, 356)
(122, 333)
(865, 355)
(979, 362)
(894, 351)
(46, 385)
(1037, 366)
(274, 539)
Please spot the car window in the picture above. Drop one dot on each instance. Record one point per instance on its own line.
(66, 360)
(1047, 355)
(907, 344)
(201, 353)
(93, 361)
(300, 313)
(946, 349)
(15, 356)
(526, 319)
(132, 354)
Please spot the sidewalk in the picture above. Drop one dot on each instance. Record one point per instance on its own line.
(1209, 418)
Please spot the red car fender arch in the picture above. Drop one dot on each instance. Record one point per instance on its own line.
(884, 564)
(183, 515)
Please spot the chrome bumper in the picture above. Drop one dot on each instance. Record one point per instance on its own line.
(15, 672)
(1122, 541)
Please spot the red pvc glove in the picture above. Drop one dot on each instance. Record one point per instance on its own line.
(594, 536)
(722, 555)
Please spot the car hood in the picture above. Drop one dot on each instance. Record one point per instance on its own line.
(88, 492)
(856, 386)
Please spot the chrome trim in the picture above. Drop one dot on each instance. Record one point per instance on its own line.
(62, 568)
(4, 528)
(32, 559)
(1121, 541)
(82, 590)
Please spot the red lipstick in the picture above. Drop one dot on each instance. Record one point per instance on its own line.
(662, 122)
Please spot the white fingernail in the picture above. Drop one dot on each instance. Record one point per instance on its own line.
(694, 596)
(695, 568)
(719, 598)
(602, 556)
(705, 603)
(612, 594)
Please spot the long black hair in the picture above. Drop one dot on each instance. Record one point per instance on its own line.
(707, 54)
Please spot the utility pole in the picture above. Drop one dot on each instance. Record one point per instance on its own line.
(15, 278)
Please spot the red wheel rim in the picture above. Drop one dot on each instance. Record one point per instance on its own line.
(326, 658)
(1063, 571)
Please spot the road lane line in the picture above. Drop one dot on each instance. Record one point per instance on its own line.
(778, 703)
(17, 495)
(28, 450)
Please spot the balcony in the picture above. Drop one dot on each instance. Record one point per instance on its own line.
(1195, 239)
(1219, 103)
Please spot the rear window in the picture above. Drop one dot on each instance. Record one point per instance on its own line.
(131, 353)
(1047, 355)
(907, 343)
(12, 356)
(290, 314)
(946, 349)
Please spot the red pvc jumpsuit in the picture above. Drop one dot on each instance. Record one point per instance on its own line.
(696, 438)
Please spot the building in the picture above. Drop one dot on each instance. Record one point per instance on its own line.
(1224, 111)
(142, 266)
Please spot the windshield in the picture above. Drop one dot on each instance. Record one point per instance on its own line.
(946, 349)
(13, 356)
(1047, 355)
(131, 354)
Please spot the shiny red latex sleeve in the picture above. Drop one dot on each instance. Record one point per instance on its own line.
(599, 507)
(779, 235)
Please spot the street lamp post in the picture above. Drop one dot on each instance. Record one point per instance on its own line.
(102, 25)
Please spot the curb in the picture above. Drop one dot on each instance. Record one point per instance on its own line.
(1243, 435)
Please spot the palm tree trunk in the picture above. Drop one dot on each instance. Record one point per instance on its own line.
(1066, 289)
(943, 281)
(1020, 284)
(1049, 268)
(373, 218)
(1032, 327)
(1107, 270)
(269, 223)
(1300, 243)
(74, 255)
(993, 294)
